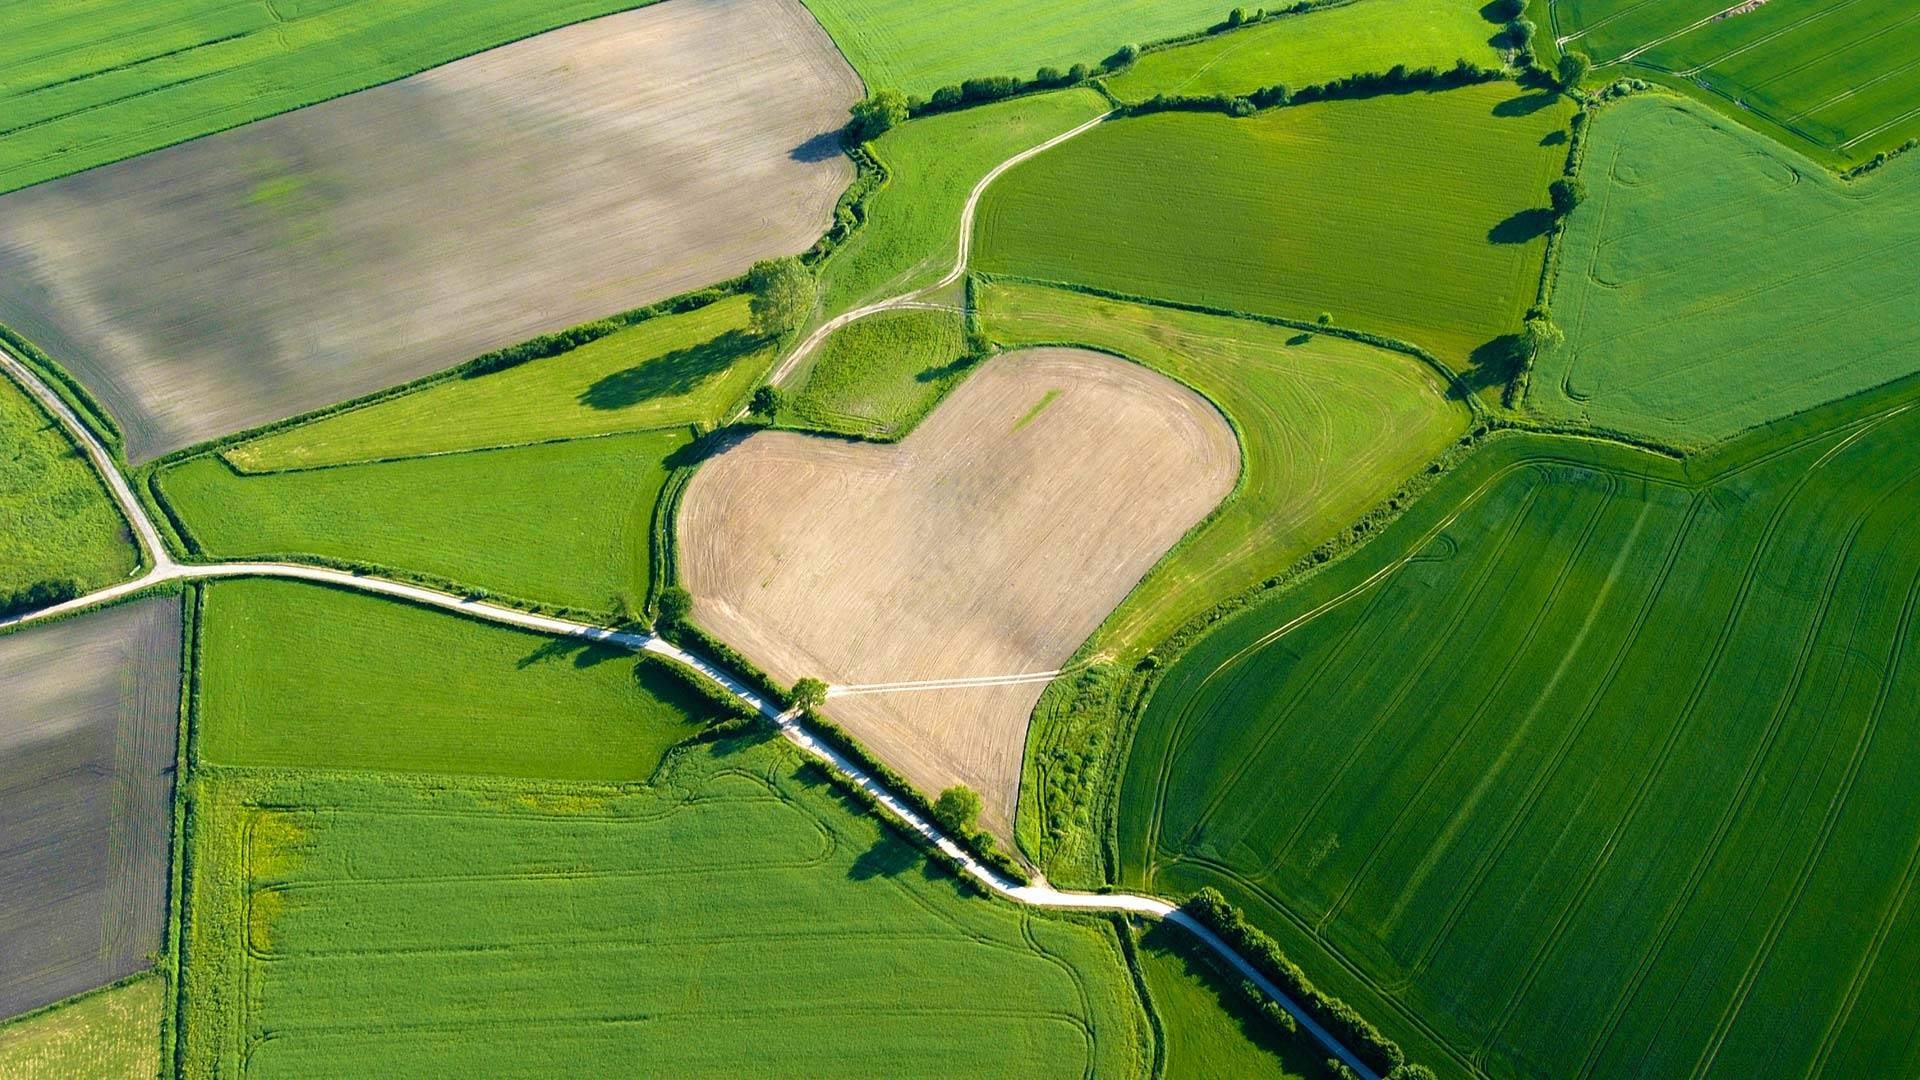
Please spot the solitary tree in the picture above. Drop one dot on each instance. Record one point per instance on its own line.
(957, 808)
(808, 694)
(1574, 66)
(676, 604)
(1539, 334)
(1325, 319)
(1520, 34)
(878, 113)
(765, 402)
(1566, 193)
(782, 294)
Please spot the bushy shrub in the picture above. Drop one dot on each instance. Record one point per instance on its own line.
(40, 594)
(676, 604)
(1573, 67)
(876, 114)
(766, 402)
(957, 809)
(1567, 193)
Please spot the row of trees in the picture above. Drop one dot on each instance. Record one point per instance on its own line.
(40, 594)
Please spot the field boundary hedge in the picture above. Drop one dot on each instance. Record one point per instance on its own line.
(1360, 86)
(71, 390)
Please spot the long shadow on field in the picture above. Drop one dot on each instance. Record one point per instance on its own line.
(1295, 1053)
(1522, 226)
(940, 371)
(585, 653)
(888, 857)
(712, 444)
(1492, 364)
(670, 374)
(822, 147)
(1525, 104)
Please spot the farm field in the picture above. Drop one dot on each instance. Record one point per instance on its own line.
(304, 676)
(567, 523)
(87, 755)
(95, 81)
(326, 253)
(110, 1035)
(1594, 762)
(879, 376)
(1810, 282)
(736, 918)
(59, 522)
(673, 370)
(1419, 216)
(990, 542)
(1368, 35)
(1833, 77)
(1211, 1031)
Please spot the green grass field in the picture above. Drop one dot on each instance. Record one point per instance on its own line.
(1832, 77)
(567, 523)
(1211, 1029)
(913, 223)
(58, 519)
(1712, 281)
(109, 1035)
(668, 371)
(880, 376)
(99, 80)
(302, 675)
(1418, 216)
(909, 46)
(1368, 35)
(1593, 763)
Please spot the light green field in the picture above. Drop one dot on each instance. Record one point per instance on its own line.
(1417, 216)
(109, 1035)
(911, 46)
(94, 81)
(1713, 281)
(913, 223)
(737, 918)
(1592, 764)
(567, 523)
(302, 675)
(56, 520)
(1367, 35)
(1211, 1029)
(668, 371)
(879, 376)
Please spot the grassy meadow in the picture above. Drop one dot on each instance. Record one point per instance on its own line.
(1593, 763)
(669, 371)
(1712, 281)
(1418, 216)
(59, 521)
(95, 81)
(107, 1035)
(1210, 1027)
(566, 523)
(296, 675)
(1368, 35)
(879, 376)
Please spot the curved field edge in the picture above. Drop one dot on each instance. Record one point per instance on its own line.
(62, 524)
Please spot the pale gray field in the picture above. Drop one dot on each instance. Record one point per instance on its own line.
(329, 252)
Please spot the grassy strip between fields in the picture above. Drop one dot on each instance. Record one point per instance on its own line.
(877, 378)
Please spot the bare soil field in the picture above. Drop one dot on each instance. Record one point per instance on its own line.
(990, 542)
(86, 788)
(341, 248)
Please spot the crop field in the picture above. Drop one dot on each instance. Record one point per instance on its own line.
(1593, 763)
(301, 675)
(1211, 1030)
(734, 919)
(566, 523)
(111, 1035)
(669, 371)
(1810, 282)
(1367, 35)
(58, 521)
(879, 376)
(326, 253)
(87, 756)
(1833, 77)
(1420, 216)
(990, 542)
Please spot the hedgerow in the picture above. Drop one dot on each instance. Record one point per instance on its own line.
(1397, 80)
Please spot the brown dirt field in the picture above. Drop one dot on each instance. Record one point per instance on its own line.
(86, 796)
(341, 248)
(980, 545)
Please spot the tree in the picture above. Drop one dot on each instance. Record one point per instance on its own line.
(1539, 334)
(957, 809)
(1077, 73)
(1520, 34)
(1566, 193)
(1122, 57)
(808, 694)
(781, 294)
(1325, 319)
(1506, 10)
(1574, 66)
(766, 402)
(676, 604)
(878, 113)
(1236, 17)
(1049, 76)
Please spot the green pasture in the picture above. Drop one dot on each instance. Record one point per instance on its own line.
(738, 917)
(302, 675)
(1831, 77)
(1591, 764)
(56, 519)
(107, 1035)
(668, 371)
(1315, 47)
(567, 523)
(913, 222)
(915, 47)
(1419, 216)
(1712, 282)
(879, 376)
(94, 81)
(1210, 1026)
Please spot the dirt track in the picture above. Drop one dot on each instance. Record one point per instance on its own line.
(329, 252)
(981, 545)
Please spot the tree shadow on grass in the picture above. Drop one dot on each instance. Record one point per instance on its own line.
(585, 653)
(955, 366)
(712, 444)
(1297, 1052)
(1556, 137)
(1522, 226)
(1494, 363)
(670, 374)
(1525, 104)
(888, 858)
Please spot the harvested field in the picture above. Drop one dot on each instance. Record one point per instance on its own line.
(325, 253)
(86, 792)
(111, 1035)
(990, 542)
